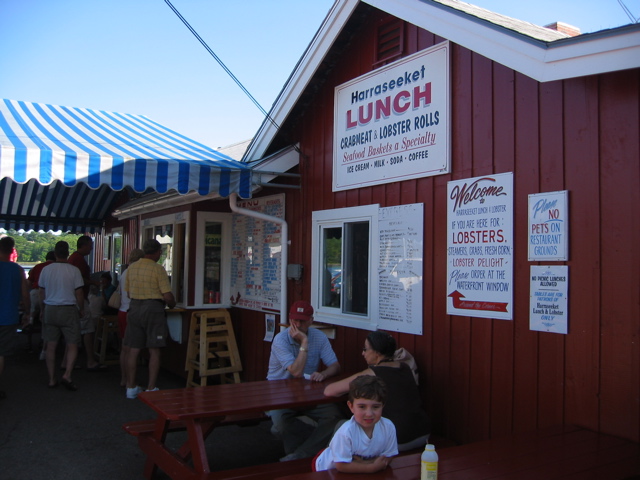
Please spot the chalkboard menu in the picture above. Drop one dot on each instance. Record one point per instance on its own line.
(256, 256)
(400, 268)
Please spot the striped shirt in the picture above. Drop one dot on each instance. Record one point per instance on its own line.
(147, 280)
(284, 351)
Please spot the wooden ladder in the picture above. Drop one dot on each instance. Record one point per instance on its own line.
(212, 348)
(107, 326)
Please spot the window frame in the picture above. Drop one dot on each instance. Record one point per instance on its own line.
(180, 218)
(225, 219)
(338, 217)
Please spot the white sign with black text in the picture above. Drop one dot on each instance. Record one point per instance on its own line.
(400, 285)
(549, 302)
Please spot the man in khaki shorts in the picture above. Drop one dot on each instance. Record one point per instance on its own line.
(61, 291)
(149, 289)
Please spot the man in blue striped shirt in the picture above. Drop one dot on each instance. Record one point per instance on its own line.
(298, 351)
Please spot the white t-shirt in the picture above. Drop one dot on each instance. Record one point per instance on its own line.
(60, 281)
(125, 301)
(351, 440)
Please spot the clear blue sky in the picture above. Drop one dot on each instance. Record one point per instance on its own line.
(136, 56)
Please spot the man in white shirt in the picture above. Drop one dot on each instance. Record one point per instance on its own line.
(61, 291)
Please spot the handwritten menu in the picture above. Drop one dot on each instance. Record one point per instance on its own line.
(256, 256)
(400, 268)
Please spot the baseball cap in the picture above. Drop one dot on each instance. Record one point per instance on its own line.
(301, 310)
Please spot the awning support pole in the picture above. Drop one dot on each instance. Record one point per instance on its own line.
(284, 256)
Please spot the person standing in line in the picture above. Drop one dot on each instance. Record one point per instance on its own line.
(13, 290)
(33, 277)
(298, 351)
(84, 247)
(149, 289)
(61, 291)
(135, 255)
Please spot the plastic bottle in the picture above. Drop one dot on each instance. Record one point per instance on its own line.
(429, 463)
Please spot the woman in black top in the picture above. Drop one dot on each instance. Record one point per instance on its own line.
(403, 406)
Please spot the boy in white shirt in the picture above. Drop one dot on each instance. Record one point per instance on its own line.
(367, 442)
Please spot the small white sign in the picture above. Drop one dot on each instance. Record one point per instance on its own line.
(548, 235)
(548, 302)
(269, 327)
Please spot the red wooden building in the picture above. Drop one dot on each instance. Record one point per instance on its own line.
(559, 113)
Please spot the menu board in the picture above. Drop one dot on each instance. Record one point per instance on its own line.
(400, 268)
(256, 260)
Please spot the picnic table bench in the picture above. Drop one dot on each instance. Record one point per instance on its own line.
(199, 410)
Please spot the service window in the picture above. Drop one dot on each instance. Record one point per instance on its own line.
(213, 259)
(344, 252)
(170, 231)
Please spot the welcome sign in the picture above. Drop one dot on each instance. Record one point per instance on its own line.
(480, 247)
(393, 124)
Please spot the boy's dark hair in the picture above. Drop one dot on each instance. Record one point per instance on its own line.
(50, 256)
(106, 275)
(383, 343)
(369, 387)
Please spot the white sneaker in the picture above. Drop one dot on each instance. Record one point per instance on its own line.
(152, 390)
(132, 393)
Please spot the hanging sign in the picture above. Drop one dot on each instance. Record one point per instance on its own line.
(548, 302)
(392, 124)
(480, 247)
(548, 235)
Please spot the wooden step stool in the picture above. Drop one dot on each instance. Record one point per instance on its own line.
(106, 327)
(212, 348)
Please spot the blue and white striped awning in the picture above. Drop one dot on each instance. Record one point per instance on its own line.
(46, 145)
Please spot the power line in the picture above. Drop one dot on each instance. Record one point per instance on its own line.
(628, 12)
(221, 63)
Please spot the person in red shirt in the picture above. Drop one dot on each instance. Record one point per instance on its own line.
(34, 276)
(84, 247)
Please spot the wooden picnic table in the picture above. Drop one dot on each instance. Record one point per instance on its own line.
(200, 409)
(566, 452)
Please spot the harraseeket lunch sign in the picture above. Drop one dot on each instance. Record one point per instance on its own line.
(392, 124)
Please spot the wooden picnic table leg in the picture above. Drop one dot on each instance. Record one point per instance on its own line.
(197, 435)
(160, 434)
(195, 445)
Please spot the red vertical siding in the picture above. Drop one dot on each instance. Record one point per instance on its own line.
(503, 119)
(551, 178)
(620, 237)
(582, 171)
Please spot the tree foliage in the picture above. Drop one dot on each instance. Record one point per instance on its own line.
(33, 246)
